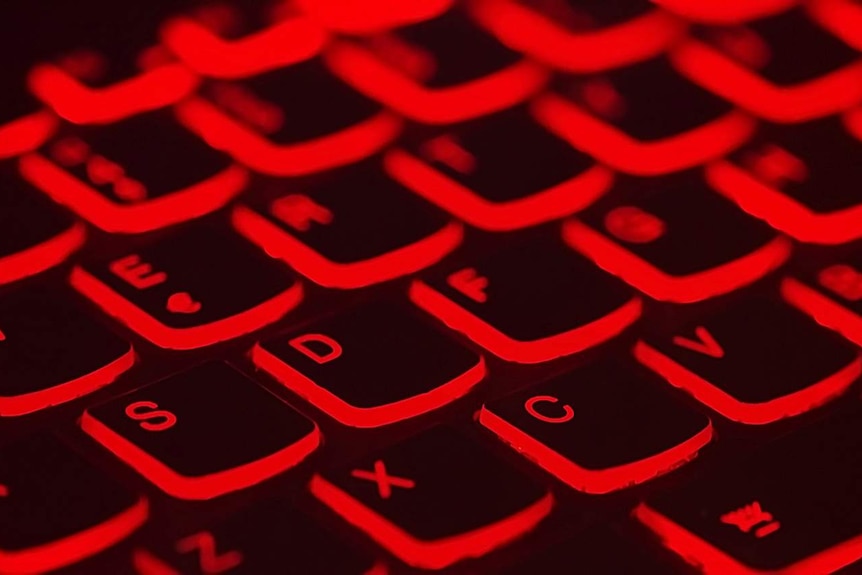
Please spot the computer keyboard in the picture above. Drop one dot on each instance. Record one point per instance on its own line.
(387, 287)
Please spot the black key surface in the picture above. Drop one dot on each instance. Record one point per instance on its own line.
(203, 432)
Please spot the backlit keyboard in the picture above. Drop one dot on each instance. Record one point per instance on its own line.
(384, 287)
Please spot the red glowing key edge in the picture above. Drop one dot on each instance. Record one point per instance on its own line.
(555, 202)
(224, 133)
(824, 310)
(613, 147)
(496, 91)
(113, 217)
(780, 210)
(713, 561)
(26, 133)
(722, 402)
(725, 11)
(351, 17)
(828, 94)
(78, 546)
(281, 44)
(510, 349)
(436, 554)
(365, 417)
(167, 337)
(80, 104)
(698, 286)
(841, 17)
(35, 401)
(42, 256)
(205, 486)
(525, 30)
(402, 261)
(594, 481)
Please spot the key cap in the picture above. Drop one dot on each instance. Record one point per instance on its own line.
(203, 432)
(529, 303)
(726, 11)
(797, 178)
(673, 240)
(134, 176)
(262, 539)
(57, 508)
(644, 119)
(782, 68)
(354, 230)
(581, 36)
(435, 499)
(484, 176)
(755, 363)
(24, 124)
(51, 352)
(371, 16)
(236, 41)
(421, 70)
(183, 291)
(791, 507)
(575, 427)
(831, 295)
(843, 18)
(346, 365)
(275, 123)
(34, 234)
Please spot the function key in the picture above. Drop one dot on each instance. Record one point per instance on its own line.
(51, 352)
(275, 123)
(346, 365)
(182, 291)
(435, 499)
(421, 70)
(581, 36)
(644, 119)
(222, 40)
(494, 181)
(137, 175)
(756, 362)
(371, 16)
(57, 508)
(726, 11)
(793, 506)
(677, 240)
(783, 68)
(576, 427)
(35, 235)
(203, 433)
(800, 179)
(529, 303)
(357, 229)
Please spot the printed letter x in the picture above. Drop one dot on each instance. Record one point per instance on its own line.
(384, 481)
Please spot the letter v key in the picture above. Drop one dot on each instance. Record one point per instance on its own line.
(705, 343)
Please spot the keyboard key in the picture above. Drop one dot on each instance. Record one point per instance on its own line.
(35, 235)
(782, 68)
(51, 352)
(357, 229)
(791, 507)
(345, 365)
(371, 16)
(725, 11)
(529, 303)
(203, 433)
(576, 427)
(435, 499)
(842, 18)
(798, 178)
(181, 292)
(24, 124)
(421, 72)
(57, 508)
(235, 41)
(756, 362)
(275, 123)
(677, 240)
(484, 176)
(134, 176)
(581, 36)
(265, 538)
(644, 119)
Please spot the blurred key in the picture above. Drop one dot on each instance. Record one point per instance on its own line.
(24, 124)
(841, 17)
(370, 16)
(725, 11)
